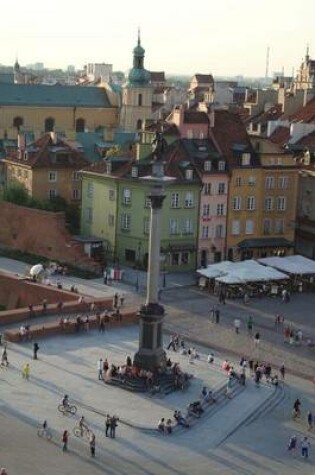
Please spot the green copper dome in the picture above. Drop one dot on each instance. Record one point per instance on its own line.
(138, 50)
(138, 76)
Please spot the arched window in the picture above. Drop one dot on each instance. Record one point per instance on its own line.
(49, 124)
(79, 125)
(139, 99)
(139, 124)
(18, 122)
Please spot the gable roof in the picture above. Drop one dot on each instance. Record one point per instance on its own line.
(195, 117)
(37, 95)
(280, 136)
(46, 152)
(305, 114)
(208, 78)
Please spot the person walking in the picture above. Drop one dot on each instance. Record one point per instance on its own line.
(305, 447)
(107, 424)
(257, 339)
(26, 370)
(35, 350)
(292, 443)
(250, 325)
(309, 420)
(113, 425)
(100, 366)
(217, 316)
(92, 444)
(4, 357)
(65, 439)
(282, 371)
(237, 324)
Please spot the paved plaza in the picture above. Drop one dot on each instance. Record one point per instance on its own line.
(245, 436)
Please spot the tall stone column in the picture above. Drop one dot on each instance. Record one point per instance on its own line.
(151, 354)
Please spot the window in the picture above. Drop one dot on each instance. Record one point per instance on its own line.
(221, 189)
(175, 200)
(184, 258)
(190, 134)
(173, 226)
(111, 194)
(236, 227)
(90, 190)
(206, 210)
(245, 159)
(125, 222)
(205, 232)
(139, 124)
(108, 168)
(189, 174)
(268, 203)
(267, 226)
(140, 100)
(89, 215)
(269, 183)
(221, 165)
(189, 199)
(207, 166)
(237, 203)
(52, 177)
(111, 220)
(279, 226)
(147, 201)
(249, 226)
(146, 225)
(220, 209)
(238, 181)
(187, 226)
(49, 124)
(281, 203)
(283, 182)
(134, 172)
(80, 125)
(175, 258)
(76, 176)
(219, 231)
(126, 196)
(251, 180)
(251, 203)
(207, 189)
(76, 195)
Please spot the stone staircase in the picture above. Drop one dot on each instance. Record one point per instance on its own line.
(166, 384)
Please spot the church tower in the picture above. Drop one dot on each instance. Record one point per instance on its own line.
(137, 93)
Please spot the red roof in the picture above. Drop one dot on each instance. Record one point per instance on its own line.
(308, 140)
(195, 117)
(280, 136)
(305, 114)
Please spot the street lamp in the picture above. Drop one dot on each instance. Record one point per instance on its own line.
(138, 264)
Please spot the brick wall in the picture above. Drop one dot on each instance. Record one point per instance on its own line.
(42, 233)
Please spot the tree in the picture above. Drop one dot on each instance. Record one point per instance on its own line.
(17, 194)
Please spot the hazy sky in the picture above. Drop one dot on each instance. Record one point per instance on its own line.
(225, 37)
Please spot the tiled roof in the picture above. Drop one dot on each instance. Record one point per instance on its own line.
(228, 131)
(305, 114)
(157, 76)
(280, 136)
(195, 117)
(271, 114)
(52, 96)
(45, 153)
(307, 140)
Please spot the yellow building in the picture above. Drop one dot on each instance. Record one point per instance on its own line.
(262, 206)
(69, 109)
(47, 168)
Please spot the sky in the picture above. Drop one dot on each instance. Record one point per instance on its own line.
(223, 37)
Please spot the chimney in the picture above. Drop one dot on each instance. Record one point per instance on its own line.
(53, 136)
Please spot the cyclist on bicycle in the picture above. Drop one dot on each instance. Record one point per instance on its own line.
(83, 425)
(65, 401)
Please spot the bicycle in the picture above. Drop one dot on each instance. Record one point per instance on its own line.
(70, 409)
(83, 432)
(44, 433)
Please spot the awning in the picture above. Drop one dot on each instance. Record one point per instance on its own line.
(181, 247)
(264, 242)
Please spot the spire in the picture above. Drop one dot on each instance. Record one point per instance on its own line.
(139, 36)
(307, 56)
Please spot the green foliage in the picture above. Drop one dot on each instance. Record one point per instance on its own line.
(17, 194)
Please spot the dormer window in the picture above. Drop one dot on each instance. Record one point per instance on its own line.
(134, 172)
(189, 174)
(25, 155)
(221, 165)
(207, 166)
(245, 159)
